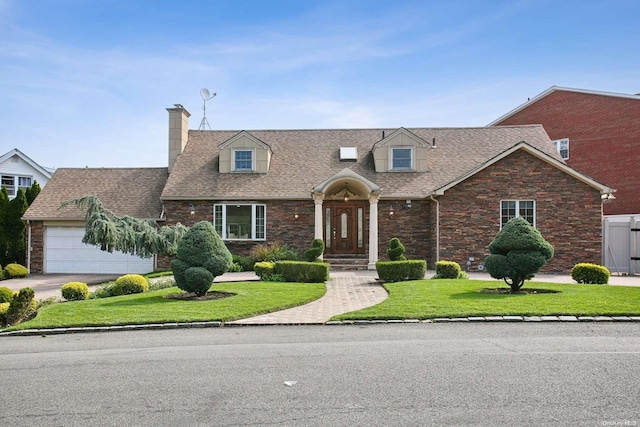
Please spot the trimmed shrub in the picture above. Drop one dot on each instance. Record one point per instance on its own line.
(396, 250)
(200, 247)
(397, 271)
(129, 284)
(6, 294)
(517, 253)
(448, 270)
(264, 269)
(4, 307)
(590, 273)
(75, 291)
(15, 271)
(275, 251)
(21, 306)
(317, 248)
(302, 271)
(247, 263)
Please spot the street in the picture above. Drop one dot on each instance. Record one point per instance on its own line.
(370, 375)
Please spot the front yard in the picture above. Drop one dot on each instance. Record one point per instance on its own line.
(429, 299)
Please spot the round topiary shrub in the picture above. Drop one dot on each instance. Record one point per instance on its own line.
(75, 291)
(448, 270)
(590, 273)
(6, 294)
(198, 280)
(396, 250)
(200, 247)
(130, 284)
(15, 271)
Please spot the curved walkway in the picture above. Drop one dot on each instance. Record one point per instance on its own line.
(346, 291)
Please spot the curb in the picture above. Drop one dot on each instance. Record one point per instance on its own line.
(193, 325)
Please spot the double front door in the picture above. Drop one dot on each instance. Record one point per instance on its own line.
(344, 227)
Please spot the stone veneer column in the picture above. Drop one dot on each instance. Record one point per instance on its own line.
(373, 231)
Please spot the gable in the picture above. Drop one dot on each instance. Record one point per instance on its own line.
(605, 192)
(409, 144)
(247, 147)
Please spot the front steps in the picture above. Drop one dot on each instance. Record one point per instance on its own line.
(347, 262)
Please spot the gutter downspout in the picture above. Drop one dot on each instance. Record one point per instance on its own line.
(29, 247)
(437, 227)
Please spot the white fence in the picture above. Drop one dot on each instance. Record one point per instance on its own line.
(621, 243)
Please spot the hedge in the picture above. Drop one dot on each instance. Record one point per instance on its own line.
(302, 271)
(590, 273)
(397, 271)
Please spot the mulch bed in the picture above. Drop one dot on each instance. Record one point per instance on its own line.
(524, 291)
(184, 296)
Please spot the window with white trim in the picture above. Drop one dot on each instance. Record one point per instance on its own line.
(562, 145)
(510, 209)
(13, 183)
(401, 158)
(240, 221)
(243, 160)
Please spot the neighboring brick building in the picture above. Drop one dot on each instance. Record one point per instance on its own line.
(445, 192)
(597, 132)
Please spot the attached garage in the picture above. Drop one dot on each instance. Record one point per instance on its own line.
(65, 253)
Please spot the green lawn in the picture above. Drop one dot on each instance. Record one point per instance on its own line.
(250, 299)
(428, 299)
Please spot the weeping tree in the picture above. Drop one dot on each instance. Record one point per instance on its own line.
(126, 234)
(517, 253)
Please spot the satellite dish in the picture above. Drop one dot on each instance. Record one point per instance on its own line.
(206, 95)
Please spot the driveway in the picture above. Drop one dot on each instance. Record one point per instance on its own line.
(48, 285)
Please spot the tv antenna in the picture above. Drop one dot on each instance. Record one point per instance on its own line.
(204, 93)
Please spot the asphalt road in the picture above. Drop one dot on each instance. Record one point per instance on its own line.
(373, 375)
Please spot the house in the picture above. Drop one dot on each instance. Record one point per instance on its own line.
(17, 171)
(597, 134)
(445, 192)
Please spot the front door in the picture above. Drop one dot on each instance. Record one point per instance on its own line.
(344, 228)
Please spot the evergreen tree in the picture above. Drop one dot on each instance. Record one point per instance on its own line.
(14, 228)
(32, 192)
(4, 244)
(126, 234)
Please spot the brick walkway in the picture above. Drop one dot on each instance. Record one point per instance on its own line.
(346, 291)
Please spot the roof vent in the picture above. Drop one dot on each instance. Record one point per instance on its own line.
(348, 154)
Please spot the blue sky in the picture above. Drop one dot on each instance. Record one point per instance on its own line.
(86, 83)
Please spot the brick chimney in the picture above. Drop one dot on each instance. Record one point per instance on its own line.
(178, 132)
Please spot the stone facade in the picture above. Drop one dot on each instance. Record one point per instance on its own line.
(568, 212)
(37, 244)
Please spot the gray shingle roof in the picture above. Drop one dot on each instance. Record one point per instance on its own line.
(125, 191)
(304, 158)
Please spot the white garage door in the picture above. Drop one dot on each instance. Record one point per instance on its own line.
(65, 253)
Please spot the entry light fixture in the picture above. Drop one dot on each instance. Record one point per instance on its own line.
(192, 210)
(391, 211)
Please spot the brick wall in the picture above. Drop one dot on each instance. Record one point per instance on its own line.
(568, 212)
(604, 135)
(411, 225)
(282, 226)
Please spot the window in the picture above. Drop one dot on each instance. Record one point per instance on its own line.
(24, 182)
(243, 160)
(562, 145)
(401, 158)
(240, 221)
(9, 183)
(514, 208)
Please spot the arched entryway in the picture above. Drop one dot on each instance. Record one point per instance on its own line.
(346, 215)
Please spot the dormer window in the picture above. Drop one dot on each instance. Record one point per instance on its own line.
(243, 160)
(401, 158)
